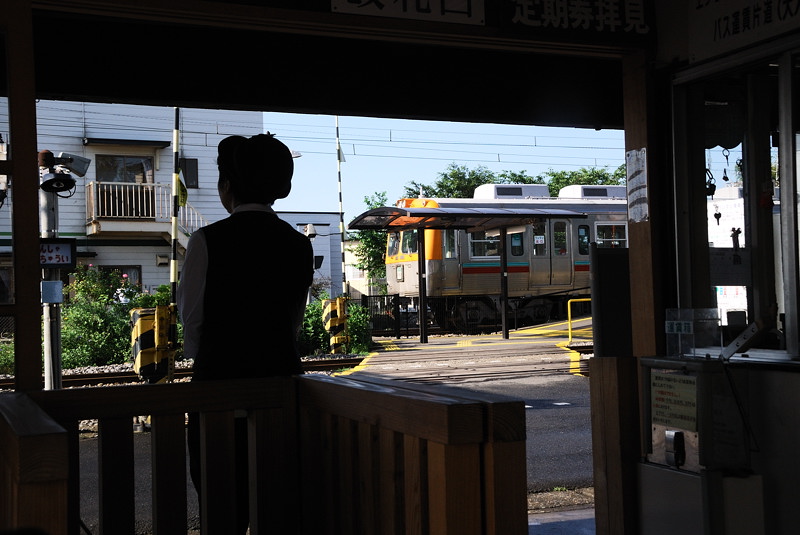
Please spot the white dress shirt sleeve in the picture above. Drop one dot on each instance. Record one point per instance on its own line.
(191, 291)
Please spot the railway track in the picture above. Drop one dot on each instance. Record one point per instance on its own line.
(127, 377)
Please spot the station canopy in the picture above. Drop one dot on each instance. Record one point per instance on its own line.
(471, 219)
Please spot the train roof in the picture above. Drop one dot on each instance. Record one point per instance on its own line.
(535, 192)
(472, 219)
(495, 206)
(583, 205)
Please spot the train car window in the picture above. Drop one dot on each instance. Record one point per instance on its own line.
(482, 245)
(611, 235)
(449, 243)
(393, 244)
(560, 238)
(539, 231)
(409, 245)
(583, 239)
(517, 244)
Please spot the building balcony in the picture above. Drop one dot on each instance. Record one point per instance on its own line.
(118, 209)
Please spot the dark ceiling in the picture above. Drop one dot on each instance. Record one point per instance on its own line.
(110, 60)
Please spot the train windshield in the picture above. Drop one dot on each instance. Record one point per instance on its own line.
(393, 244)
(409, 242)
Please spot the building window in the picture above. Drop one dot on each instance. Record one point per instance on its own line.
(189, 172)
(126, 169)
(132, 273)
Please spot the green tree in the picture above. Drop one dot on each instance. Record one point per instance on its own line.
(370, 245)
(459, 182)
(587, 176)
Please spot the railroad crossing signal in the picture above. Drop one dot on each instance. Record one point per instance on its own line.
(152, 332)
(334, 316)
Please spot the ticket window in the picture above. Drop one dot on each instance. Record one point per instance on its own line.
(736, 185)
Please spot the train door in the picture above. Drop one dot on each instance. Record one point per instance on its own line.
(540, 254)
(561, 264)
(451, 269)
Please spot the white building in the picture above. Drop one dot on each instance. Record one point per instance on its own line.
(119, 213)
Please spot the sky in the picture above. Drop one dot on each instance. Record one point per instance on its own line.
(385, 155)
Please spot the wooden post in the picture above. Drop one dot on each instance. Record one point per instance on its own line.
(33, 467)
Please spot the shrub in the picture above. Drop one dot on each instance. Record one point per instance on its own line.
(95, 321)
(358, 329)
(95, 326)
(7, 357)
(313, 339)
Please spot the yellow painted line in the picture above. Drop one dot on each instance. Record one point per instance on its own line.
(388, 345)
(574, 359)
(464, 343)
(362, 366)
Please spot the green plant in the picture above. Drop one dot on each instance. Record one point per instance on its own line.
(95, 327)
(358, 329)
(7, 357)
(314, 339)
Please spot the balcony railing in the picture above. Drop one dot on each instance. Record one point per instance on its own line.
(123, 201)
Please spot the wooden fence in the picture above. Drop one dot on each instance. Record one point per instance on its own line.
(329, 455)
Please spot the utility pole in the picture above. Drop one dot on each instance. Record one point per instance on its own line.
(55, 182)
(339, 160)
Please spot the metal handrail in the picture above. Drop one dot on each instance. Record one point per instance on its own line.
(569, 314)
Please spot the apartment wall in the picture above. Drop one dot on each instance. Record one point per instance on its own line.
(64, 126)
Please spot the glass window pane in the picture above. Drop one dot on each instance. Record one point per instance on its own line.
(449, 243)
(128, 169)
(583, 239)
(517, 244)
(482, 245)
(393, 244)
(409, 242)
(560, 238)
(539, 231)
(610, 235)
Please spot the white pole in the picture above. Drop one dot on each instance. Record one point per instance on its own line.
(339, 160)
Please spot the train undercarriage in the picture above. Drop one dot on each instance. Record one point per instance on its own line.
(471, 314)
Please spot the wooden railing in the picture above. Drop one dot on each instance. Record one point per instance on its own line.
(328, 456)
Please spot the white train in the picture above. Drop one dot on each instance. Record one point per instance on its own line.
(547, 261)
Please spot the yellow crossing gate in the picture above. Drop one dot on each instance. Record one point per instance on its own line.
(153, 333)
(334, 316)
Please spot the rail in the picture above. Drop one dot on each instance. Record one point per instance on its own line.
(131, 201)
(328, 455)
(569, 314)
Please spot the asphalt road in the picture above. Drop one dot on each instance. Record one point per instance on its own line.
(535, 365)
